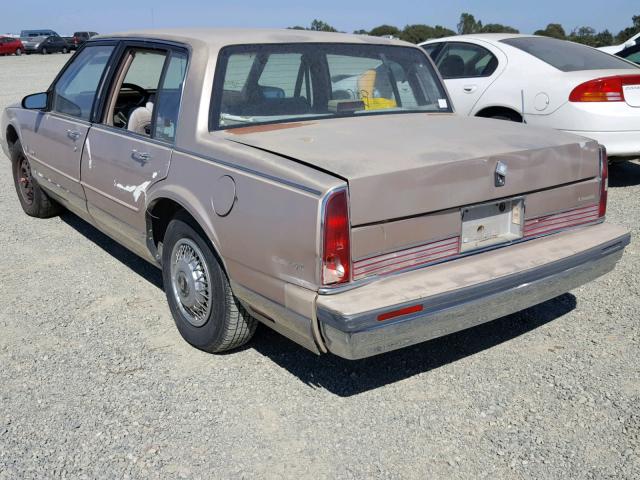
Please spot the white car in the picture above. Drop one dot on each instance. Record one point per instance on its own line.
(615, 49)
(545, 82)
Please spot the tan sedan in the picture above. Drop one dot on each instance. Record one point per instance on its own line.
(319, 183)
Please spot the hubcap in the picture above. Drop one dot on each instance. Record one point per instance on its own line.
(25, 181)
(190, 282)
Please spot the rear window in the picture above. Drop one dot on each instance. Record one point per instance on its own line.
(567, 56)
(261, 84)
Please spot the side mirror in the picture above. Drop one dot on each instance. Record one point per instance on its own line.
(629, 44)
(37, 101)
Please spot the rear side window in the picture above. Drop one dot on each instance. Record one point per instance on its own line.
(466, 60)
(566, 56)
(75, 90)
(631, 54)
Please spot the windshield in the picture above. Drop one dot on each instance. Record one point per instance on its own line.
(258, 84)
(567, 56)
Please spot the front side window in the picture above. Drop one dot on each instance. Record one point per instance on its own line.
(258, 84)
(433, 49)
(133, 99)
(466, 60)
(567, 56)
(75, 90)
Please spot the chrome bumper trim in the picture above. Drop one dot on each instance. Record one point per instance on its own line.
(362, 335)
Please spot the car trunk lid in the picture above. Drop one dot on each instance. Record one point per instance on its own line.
(400, 166)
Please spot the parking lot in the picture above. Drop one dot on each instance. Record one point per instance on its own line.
(95, 381)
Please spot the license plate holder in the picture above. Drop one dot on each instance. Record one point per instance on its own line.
(492, 223)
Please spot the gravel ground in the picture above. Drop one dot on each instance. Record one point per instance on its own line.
(95, 381)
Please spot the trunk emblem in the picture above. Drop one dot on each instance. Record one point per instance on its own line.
(501, 174)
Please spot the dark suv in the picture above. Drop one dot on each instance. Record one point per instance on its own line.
(80, 37)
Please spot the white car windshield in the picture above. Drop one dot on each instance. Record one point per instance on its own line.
(258, 84)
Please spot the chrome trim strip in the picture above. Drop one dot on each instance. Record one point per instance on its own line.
(110, 197)
(249, 170)
(46, 165)
(362, 335)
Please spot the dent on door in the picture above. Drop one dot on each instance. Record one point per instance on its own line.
(117, 170)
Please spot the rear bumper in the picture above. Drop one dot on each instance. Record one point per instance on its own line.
(619, 144)
(557, 264)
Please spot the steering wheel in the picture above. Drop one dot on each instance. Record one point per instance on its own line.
(144, 94)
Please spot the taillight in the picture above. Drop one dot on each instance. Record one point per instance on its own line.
(608, 89)
(604, 181)
(336, 250)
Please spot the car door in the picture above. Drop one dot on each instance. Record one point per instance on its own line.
(4, 46)
(130, 149)
(467, 69)
(54, 141)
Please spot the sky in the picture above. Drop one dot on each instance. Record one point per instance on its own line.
(107, 16)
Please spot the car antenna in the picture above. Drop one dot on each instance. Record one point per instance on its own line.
(522, 105)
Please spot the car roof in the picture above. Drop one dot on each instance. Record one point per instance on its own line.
(487, 37)
(221, 37)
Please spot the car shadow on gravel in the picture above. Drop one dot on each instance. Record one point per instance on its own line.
(624, 174)
(131, 260)
(347, 378)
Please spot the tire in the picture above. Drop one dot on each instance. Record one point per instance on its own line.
(510, 117)
(218, 323)
(33, 199)
(18, 52)
(64, 50)
(44, 51)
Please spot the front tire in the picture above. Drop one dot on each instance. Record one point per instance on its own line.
(33, 199)
(18, 52)
(64, 50)
(44, 51)
(207, 314)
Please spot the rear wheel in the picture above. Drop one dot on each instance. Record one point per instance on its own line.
(64, 50)
(18, 51)
(207, 314)
(33, 200)
(45, 51)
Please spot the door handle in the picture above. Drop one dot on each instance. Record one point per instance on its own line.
(470, 88)
(140, 157)
(73, 134)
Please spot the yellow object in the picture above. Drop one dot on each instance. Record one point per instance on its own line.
(366, 86)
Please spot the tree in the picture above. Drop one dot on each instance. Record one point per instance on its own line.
(384, 30)
(629, 32)
(416, 33)
(584, 35)
(439, 31)
(360, 32)
(498, 28)
(553, 30)
(603, 39)
(468, 24)
(320, 26)
(317, 26)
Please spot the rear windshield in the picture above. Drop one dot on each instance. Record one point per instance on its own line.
(260, 84)
(567, 56)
